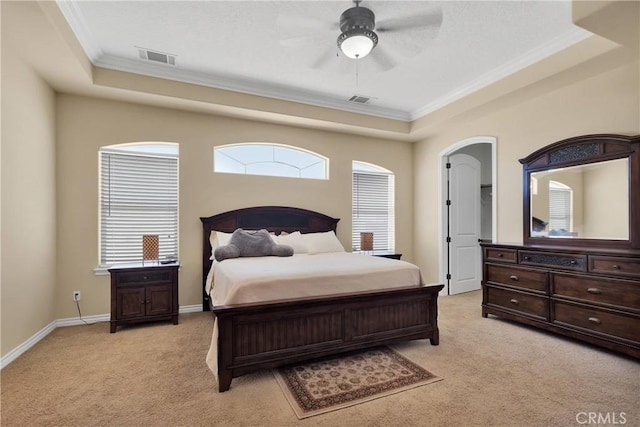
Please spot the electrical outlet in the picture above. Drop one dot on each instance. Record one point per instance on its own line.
(76, 295)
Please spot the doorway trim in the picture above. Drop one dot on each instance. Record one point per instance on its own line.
(442, 198)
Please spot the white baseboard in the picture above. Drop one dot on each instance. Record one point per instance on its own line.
(191, 308)
(13, 354)
(70, 321)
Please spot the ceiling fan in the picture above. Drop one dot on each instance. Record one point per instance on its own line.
(358, 33)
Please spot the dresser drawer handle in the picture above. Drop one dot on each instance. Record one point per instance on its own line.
(573, 262)
(594, 291)
(527, 258)
(514, 301)
(514, 277)
(144, 277)
(594, 320)
(616, 267)
(499, 255)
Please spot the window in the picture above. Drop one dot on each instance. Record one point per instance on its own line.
(373, 206)
(560, 218)
(138, 195)
(269, 159)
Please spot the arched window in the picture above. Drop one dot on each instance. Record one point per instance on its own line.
(138, 196)
(373, 206)
(270, 159)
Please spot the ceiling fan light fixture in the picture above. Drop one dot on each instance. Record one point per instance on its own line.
(357, 42)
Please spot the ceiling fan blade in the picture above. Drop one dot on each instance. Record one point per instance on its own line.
(325, 58)
(431, 19)
(307, 40)
(381, 59)
(301, 23)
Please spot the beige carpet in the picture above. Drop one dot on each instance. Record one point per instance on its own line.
(344, 380)
(496, 374)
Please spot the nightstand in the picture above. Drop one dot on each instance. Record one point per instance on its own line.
(143, 293)
(383, 254)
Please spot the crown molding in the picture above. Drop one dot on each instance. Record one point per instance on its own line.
(561, 42)
(262, 89)
(76, 21)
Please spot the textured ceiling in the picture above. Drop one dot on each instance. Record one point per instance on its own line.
(287, 50)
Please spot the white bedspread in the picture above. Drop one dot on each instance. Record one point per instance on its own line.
(250, 280)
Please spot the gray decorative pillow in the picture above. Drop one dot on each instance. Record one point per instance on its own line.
(225, 252)
(251, 244)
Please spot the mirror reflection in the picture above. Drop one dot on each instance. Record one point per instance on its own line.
(588, 201)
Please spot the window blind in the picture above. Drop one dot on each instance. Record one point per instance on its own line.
(138, 195)
(559, 209)
(373, 209)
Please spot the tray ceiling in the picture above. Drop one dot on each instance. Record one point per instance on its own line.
(287, 50)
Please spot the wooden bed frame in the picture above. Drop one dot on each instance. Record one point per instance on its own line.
(266, 335)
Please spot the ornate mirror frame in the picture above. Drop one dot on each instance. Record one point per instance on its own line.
(582, 150)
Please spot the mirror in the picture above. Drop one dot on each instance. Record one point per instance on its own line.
(583, 191)
(586, 201)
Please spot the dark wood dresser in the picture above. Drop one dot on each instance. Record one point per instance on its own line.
(585, 293)
(143, 293)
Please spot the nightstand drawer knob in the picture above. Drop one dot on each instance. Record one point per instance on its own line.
(616, 267)
(594, 291)
(514, 277)
(514, 301)
(594, 320)
(527, 258)
(573, 262)
(499, 255)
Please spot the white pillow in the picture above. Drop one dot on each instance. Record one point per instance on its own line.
(218, 238)
(322, 242)
(294, 240)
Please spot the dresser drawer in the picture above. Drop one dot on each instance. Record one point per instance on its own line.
(144, 277)
(548, 259)
(524, 278)
(501, 255)
(531, 305)
(599, 290)
(597, 320)
(629, 267)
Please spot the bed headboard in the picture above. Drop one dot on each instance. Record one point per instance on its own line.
(272, 218)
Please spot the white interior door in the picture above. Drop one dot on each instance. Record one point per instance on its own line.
(464, 224)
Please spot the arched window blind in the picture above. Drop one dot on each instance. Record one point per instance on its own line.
(373, 206)
(138, 195)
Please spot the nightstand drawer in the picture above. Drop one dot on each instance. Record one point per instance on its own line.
(613, 265)
(525, 278)
(144, 277)
(597, 320)
(599, 290)
(531, 305)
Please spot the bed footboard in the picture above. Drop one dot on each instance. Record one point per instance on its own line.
(264, 336)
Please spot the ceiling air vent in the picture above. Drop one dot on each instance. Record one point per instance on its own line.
(154, 55)
(358, 99)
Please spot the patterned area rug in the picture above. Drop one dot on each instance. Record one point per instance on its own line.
(347, 379)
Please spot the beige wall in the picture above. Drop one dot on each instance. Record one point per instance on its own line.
(606, 103)
(85, 124)
(606, 201)
(28, 271)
